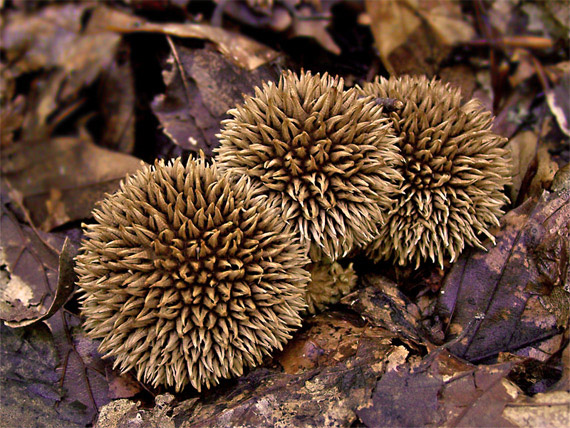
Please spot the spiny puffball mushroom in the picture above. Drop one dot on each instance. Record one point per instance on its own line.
(454, 172)
(323, 155)
(330, 281)
(187, 278)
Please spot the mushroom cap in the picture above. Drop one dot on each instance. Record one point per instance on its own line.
(454, 173)
(323, 155)
(187, 278)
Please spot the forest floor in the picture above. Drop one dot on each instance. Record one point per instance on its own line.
(89, 91)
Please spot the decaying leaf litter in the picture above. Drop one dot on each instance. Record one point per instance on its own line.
(89, 91)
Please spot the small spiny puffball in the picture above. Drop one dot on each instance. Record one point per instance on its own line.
(323, 155)
(187, 278)
(454, 173)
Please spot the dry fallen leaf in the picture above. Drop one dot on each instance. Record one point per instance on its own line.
(326, 339)
(440, 390)
(501, 290)
(523, 147)
(293, 17)
(383, 305)
(34, 289)
(53, 41)
(546, 169)
(64, 289)
(477, 397)
(304, 25)
(31, 393)
(414, 36)
(70, 175)
(117, 103)
(243, 51)
(29, 270)
(201, 86)
(545, 410)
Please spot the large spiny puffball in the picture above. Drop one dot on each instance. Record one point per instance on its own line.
(323, 155)
(455, 170)
(187, 278)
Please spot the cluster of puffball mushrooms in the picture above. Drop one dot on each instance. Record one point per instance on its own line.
(193, 272)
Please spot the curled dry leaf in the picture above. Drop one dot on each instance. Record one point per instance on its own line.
(243, 51)
(29, 272)
(65, 287)
(523, 149)
(558, 101)
(505, 290)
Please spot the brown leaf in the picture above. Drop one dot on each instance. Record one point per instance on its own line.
(241, 50)
(31, 393)
(523, 148)
(514, 111)
(81, 370)
(440, 390)
(65, 287)
(404, 398)
(32, 292)
(501, 289)
(545, 171)
(548, 409)
(414, 36)
(195, 102)
(12, 118)
(297, 18)
(29, 271)
(122, 386)
(272, 15)
(327, 339)
(304, 25)
(54, 42)
(117, 103)
(70, 175)
(477, 397)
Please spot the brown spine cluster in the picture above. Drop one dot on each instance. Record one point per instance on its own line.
(454, 171)
(330, 281)
(187, 278)
(324, 156)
